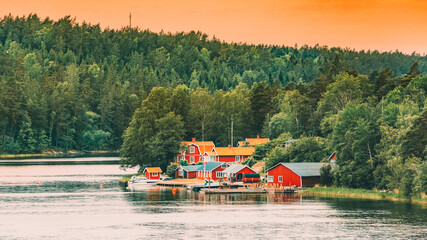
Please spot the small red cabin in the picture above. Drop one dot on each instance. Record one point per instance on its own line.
(152, 172)
(295, 174)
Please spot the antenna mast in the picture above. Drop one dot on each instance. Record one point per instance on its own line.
(130, 19)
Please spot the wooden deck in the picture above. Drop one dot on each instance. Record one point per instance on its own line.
(180, 182)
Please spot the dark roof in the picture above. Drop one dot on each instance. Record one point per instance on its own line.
(210, 166)
(190, 168)
(307, 169)
(236, 168)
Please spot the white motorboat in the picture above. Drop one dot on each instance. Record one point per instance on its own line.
(136, 183)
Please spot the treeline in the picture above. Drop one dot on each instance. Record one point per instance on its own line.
(66, 85)
(376, 126)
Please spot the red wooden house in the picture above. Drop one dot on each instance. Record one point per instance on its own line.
(211, 170)
(152, 172)
(233, 154)
(235, 173)
(187, 172)
(193, 151)
(295, 174)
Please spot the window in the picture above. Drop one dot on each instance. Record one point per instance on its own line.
(237, 158)
(180, 172)
(154, 174)
(191, 159)
(192, 149)
(280, 179)
(219, 174)
(270, 179)
(224, 166)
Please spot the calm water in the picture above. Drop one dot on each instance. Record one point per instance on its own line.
(68, 203)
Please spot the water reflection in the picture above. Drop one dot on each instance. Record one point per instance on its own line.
(68, 203)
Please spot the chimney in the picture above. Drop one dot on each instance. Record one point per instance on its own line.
(257, 136)
(229, 146)
(193, 140)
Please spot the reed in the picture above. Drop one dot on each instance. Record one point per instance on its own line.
(360, 193)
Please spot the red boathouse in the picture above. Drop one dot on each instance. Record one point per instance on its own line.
(152, 172)
(295, 174)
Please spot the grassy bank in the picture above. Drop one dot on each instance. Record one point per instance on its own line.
(360, 193)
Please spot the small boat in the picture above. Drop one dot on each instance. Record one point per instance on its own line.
(197, 187)
(136, 183)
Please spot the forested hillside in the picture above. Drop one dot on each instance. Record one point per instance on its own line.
(65, 85)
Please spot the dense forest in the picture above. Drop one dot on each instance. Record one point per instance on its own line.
(65, 85)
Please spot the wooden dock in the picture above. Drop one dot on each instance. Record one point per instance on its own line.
(180, 182)
(231, 191)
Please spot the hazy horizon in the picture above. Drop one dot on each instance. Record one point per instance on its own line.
(360, 25)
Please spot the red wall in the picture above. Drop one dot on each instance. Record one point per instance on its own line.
(149, 176)
(230, 158)
(226, 159)
(246, 170)
(213, 177)
(189, 174)
(289, 177)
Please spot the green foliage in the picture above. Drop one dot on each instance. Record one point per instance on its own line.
(306, 149)
(199, 163)
(170, 171)
(77, 86)
(326, 175)
(154, 134)
(250, 161)
(183, 162)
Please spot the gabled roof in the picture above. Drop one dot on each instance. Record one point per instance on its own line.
(210, 166)
(308, 169)
(234, 151)
(153, 170)
(334, 154)
(253, 141)
(236, 168)
(204, 146)
(211, 153)
(190, 168)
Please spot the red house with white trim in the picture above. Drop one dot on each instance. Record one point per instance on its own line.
(295, 174)
(152, 172)
(193, 151)
(232, 154)
(211, 170)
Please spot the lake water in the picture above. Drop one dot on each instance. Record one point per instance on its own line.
(69, 203)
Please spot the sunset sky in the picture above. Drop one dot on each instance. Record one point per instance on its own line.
(366, 24)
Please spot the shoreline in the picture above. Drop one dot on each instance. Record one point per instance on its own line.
(333, 192)
(68, 154)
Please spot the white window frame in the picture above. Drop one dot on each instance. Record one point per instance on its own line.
(154, 174)
(280, 179)
(270, 178)
(192, 149)
(237, 158)
(192, 159)
(219, 174)
(180, 172)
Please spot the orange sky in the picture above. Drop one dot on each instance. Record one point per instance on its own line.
(366, 24)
